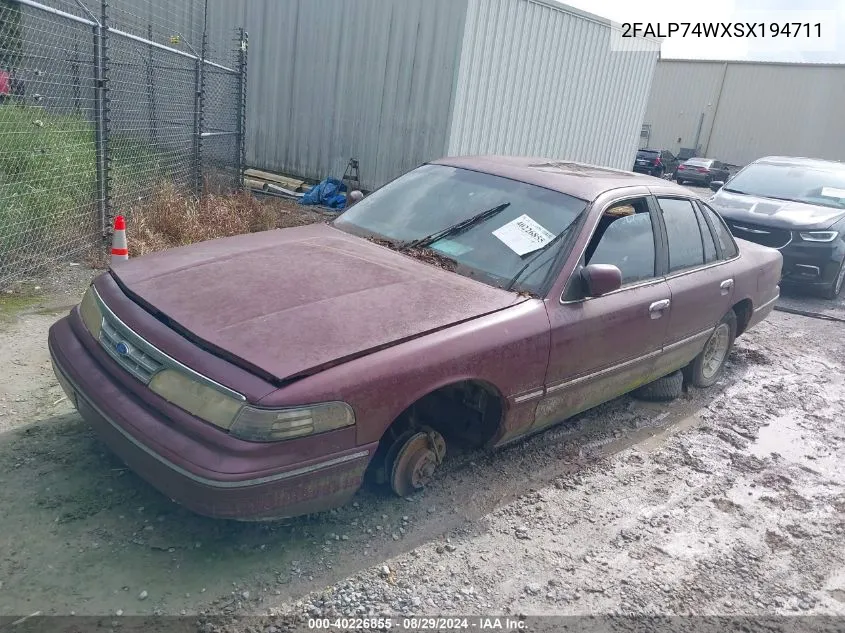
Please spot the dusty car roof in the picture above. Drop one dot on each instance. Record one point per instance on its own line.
(576, 179)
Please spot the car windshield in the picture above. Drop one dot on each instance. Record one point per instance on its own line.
(813, 185)
(699, 162)
(516, 229)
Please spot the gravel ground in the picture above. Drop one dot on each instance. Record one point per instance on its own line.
(727, 501)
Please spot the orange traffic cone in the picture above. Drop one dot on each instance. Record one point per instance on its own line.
(119, 249)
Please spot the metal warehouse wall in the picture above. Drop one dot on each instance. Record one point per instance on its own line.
(751, 109)
(538, 78)
(680, 92)
(331, 79)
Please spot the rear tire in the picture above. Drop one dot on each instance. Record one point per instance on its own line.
(680, 181)
(708, 366)
(663, 389)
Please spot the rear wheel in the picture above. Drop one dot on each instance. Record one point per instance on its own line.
(705, 370)
(680, 180)
(832, 291)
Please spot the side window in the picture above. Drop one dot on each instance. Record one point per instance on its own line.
(685, 247)
(625, 238)
(706, 238)
(723, 235)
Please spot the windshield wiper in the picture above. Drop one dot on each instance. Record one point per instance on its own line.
(742, 193)
(456, 229)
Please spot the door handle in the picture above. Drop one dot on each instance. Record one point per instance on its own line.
(726, 286)
(657, 308)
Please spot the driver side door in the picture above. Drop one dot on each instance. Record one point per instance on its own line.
(602, 347)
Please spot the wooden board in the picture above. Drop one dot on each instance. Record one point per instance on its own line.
(252, 183)
(288, 183)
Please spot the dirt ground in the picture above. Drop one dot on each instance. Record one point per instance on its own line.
(727, 501)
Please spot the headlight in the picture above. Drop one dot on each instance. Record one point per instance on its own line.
(245, 422)
(201, 400)
(89, 310)
(271, 425)
(819, 236)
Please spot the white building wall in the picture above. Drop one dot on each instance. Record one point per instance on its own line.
(538, 78)
(790, 110)
(751, 109)
(330, 80)
(395, 83)
(680, 93)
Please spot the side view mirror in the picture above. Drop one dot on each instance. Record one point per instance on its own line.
(599, 279)
(716, 185)
(353, 197)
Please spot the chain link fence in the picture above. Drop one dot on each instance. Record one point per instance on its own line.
(101, 106)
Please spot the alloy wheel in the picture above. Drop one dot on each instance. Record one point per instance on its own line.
(716, 350)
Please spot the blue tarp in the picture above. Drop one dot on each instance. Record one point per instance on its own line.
(329, 193)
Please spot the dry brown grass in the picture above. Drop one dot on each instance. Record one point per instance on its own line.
(171, 218)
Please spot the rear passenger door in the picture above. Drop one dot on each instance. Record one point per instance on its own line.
(701, 286)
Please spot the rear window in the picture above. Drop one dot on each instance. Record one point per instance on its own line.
(726, 240)
(699, 162)
(647, 153)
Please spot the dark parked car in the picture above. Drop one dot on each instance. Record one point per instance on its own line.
(655, 162)
(796, 205)
(472, 300)
(701, 171)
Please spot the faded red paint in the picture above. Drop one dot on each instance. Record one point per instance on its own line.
(312, 314)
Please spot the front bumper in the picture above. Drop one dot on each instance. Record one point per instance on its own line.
(812, 264)
(193, 472)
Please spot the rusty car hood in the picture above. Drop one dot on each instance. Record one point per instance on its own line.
(290, 302)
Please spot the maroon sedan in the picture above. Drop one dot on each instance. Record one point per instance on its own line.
(472, 300)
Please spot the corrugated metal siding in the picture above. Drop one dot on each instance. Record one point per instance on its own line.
(787, 110)
(331, 80)
(758, 109)
(541, 80)
(680, 93)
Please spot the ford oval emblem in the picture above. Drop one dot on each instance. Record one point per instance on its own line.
(121, 348)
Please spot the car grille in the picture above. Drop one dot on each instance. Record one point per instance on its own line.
(128, 349)
(765, 235)
(142, 359)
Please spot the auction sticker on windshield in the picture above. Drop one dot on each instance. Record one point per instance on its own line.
(833, 192)
(523, 235)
